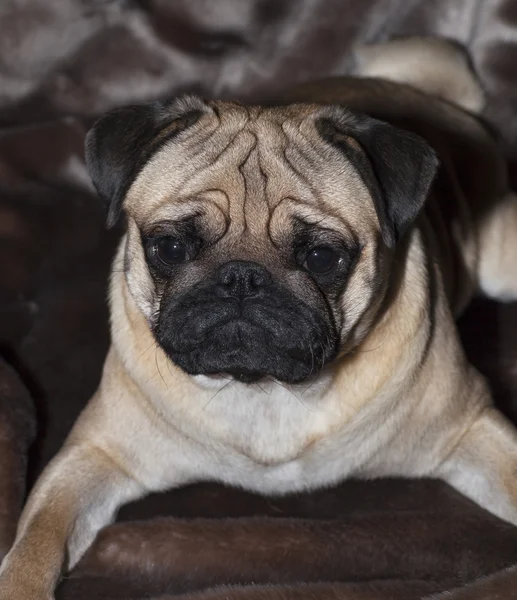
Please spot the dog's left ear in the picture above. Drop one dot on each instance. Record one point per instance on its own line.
(397, 166)
(122, 141)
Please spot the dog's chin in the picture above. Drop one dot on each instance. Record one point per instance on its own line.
(219, 380)
(213, 362)
(213, 370)
(214, 380)
(315, 385)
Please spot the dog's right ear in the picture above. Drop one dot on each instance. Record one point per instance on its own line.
(121, 142)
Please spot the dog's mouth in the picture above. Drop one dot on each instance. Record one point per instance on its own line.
(246, 376)
(247, 354)
(273, 337)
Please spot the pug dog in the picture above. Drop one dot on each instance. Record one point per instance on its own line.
(283, 301)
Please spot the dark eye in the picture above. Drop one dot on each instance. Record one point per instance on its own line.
(321, 260)
(171, 251)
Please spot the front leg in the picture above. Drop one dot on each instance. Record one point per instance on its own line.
(78, 493)
(483, 465)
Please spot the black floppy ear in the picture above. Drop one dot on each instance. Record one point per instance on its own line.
(398, 166)
(121, 142)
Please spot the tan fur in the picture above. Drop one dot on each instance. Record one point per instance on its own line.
(432, 65)
(401, 399)
(497, 265)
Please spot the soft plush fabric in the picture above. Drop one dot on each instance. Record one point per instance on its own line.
(62, 63)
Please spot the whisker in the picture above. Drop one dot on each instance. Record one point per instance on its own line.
(291, 392)
(158, 366)
(310, 385)
(152, 345)
(263, 390)
(313, 364)
(360, 351)
(219, 390)
(168, 363)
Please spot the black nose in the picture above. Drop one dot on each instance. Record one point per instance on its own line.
(241, 278)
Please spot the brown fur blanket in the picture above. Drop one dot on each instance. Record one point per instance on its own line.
(63, 62)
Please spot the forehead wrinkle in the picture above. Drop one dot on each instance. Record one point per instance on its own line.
(225, 148)
(245, 183)
(174, 170)
(222, 174)
(200, 142)
(265, 178)
(230, 122)
(303, 146)
(184, 207)
(336, 179)
(344, 226)
(315, 192)
(255, 200)
(166, 174)
(316, 155)
(277, 169)
(294, 146)
(212, 160)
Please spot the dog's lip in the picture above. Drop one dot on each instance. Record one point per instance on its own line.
(216, 381)
(245, 376)
(240, 375)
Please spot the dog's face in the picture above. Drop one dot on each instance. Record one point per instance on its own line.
(258, 239)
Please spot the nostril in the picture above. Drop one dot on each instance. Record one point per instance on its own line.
(227, 278)
(242, 278)
(258, 280)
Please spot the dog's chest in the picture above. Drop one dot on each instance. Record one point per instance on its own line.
(270, 424)
(276, 440)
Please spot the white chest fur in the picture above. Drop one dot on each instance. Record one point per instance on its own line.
(274, 438)
(269, 422)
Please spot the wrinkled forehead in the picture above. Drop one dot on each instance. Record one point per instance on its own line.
(248, 165)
